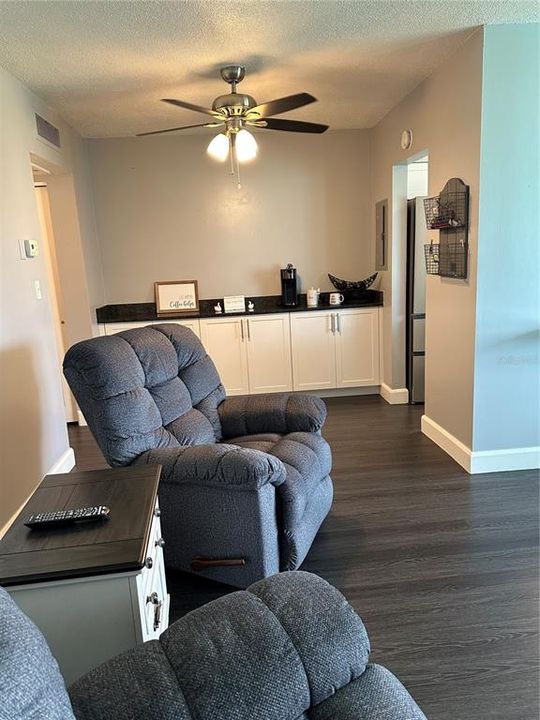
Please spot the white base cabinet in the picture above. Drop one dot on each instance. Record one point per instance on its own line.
(269, 353)
(224, 339)
(313, 351)
(251, 354)
(335, 349)
(357, 347)
(305, 351)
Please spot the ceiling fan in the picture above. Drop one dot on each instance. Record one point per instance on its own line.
(234, 112)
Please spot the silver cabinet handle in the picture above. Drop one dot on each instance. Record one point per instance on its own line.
(338, 316)
(332, 322)
(248, 329)
(157, 603)
(160, 542)
(242, 329)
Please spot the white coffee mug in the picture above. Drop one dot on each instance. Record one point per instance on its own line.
(336, 298)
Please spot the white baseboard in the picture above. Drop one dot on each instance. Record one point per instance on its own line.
(64, 464)
(481, 461)
(5, 528)
(506, 460)
(450, 444)
(397, 396)
(81, 419)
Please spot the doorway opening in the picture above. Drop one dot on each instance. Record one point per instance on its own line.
(61, 245)
(48, 247)
(415, 285)
(409, 187)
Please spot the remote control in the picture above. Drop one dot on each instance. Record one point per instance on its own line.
(57, 518)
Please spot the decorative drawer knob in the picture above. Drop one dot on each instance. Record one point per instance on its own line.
(157, 512)
(160, 542)
(148, 562)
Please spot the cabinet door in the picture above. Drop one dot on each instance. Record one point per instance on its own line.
(357, 347)
(269, 353)
(225, 342)
(313, 350)
(191, 324)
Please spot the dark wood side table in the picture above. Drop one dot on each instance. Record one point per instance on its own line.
(93, 589)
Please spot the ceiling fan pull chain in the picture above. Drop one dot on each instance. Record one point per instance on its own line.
(238, 183)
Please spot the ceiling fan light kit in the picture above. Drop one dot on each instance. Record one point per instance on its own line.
(234, 112)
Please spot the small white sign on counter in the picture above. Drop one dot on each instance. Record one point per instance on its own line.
(234, 303)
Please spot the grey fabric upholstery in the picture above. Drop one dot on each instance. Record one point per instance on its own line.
(242, 477)
(289, 648)
(31, 686)
(282, 413)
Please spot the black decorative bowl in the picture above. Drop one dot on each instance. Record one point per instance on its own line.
(352, 287)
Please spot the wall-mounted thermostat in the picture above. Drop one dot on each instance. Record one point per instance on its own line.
(28, 249)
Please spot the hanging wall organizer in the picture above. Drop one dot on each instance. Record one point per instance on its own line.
(449, 214)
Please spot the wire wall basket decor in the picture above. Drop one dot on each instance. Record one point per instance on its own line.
(446, 212)
(448, 260)
(449, 214)
(431, 252)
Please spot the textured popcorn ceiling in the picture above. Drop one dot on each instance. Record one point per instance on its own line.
(105, 65)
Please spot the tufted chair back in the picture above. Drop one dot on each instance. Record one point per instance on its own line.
(147, 388)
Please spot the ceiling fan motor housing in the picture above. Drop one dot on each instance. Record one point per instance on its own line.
(234, 103)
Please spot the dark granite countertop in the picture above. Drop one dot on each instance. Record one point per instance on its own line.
(264, 304)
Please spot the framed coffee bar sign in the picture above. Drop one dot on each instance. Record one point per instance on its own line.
(176, 297)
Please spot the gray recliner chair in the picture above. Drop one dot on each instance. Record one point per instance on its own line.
(290, 648)
(245, 481)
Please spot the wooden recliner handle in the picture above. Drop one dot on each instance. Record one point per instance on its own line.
(200, 563)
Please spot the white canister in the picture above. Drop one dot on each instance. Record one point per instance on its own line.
(313, 297)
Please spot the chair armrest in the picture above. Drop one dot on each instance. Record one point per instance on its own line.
(216, 466)
(278, 413)
(376, 695)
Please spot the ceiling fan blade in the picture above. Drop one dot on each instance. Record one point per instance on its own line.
(281, 105)
(184, 127)
(294, 126)
(189, 106)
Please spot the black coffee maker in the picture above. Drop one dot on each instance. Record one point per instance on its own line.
(289, 292)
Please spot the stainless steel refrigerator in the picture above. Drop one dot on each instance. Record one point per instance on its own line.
(416, 299)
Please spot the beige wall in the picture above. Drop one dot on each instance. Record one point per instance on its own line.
(166, 211)
(444, 114)
(33, 433)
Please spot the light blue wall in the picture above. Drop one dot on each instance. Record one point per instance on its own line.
(506, 390)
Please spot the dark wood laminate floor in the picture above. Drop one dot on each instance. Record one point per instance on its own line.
(442, 566)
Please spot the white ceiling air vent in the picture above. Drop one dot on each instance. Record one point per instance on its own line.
(47, 132)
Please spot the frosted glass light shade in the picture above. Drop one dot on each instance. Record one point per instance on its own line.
(219, 147)
(246, 146)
